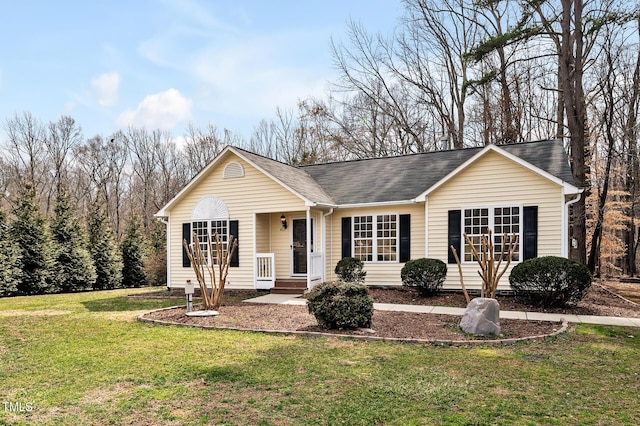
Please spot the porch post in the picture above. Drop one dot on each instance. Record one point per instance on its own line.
(255, 251)
(308, 248)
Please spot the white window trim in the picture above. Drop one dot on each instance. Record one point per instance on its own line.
(375, 236)
(221, 219)
(491, 226)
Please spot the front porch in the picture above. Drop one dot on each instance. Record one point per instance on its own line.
(289, 254)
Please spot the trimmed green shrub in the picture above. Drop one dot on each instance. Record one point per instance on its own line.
(341, 305)
(426, 275)
(550, 281)
(350, 270)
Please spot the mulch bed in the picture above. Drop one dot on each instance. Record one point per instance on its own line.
(236, 314)
(386, 325)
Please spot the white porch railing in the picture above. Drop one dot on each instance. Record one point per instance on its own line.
(265, 271)
(317, 268)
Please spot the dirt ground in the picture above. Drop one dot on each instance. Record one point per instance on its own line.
(600, 300)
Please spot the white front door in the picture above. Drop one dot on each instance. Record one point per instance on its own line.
(299, 246)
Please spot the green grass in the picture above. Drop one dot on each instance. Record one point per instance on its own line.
(83, 359)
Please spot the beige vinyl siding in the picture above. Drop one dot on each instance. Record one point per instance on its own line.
(378, 273)
(263, 233)
(494, 180)
(255, 192)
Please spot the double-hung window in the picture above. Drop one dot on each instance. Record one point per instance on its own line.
(209, 228)
(375, 238)
(501, 220)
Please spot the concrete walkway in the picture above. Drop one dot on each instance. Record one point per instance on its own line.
(292, 299)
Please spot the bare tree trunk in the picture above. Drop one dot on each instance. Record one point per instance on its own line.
(633, 166)
(602, 199)
(571, 74)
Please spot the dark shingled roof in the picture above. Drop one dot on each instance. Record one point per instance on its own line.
(295, 178)
(405, 177)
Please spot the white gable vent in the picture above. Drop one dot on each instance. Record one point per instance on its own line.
(210, 208)
(233, 170)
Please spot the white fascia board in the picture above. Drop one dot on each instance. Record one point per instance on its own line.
(307, 202)
(568, 188)
(192, 182)
(212, 164)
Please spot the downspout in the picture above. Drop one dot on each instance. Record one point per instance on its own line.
(565, 241)
(166, 223)
(324, 242)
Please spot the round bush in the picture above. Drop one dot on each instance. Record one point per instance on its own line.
(349, 269)
(550, 281)
(341, 305)
(426, 275)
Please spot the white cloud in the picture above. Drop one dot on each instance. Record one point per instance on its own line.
(240, 74)
(105, 88)
(254, 76)
(159, 111)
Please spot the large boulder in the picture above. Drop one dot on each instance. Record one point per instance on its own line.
(482, 316)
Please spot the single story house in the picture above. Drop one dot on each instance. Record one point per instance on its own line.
(293, 224)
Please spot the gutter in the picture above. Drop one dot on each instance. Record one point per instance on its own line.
(382, 203)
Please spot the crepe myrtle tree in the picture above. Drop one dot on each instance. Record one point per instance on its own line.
(490, 271)
(204, 266)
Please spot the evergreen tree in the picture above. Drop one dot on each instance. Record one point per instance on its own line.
(107, 259)
(156, 261)
(9, 258)
(30, 233)
(133, 247)
(73, 265)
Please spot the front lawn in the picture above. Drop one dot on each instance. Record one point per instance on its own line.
(83, 359)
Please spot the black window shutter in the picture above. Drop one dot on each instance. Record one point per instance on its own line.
(346, 237)
(233, 230)
(186, 235)
(455, 234)
(530, 232)
(405, 237)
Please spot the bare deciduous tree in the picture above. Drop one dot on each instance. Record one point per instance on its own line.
(203, 266)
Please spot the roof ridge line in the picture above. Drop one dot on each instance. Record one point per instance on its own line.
(469, 148)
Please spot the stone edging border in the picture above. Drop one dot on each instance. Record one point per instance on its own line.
(434, 342)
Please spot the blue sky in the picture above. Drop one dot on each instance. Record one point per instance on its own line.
(164, 63)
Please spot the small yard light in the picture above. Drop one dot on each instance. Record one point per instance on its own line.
(188, 291)
(283, 222)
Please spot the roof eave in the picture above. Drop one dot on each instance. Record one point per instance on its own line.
(307, 201)
(568, 187)
(164, 211)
